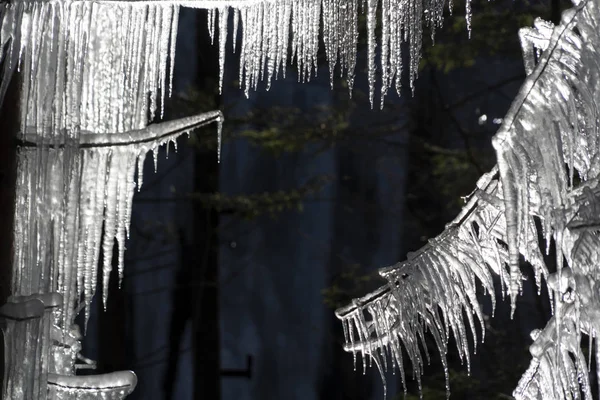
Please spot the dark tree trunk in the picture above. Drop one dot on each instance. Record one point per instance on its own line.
(196, 297)
(112, 347)
(205, 321)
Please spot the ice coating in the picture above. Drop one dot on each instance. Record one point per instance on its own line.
(21, 346)
(275, 33)
(75, 211)
(91, 75)
(107, 66)
(25, 324)
(435, 288)
(112, 386)
(548, 150)
(84, 133)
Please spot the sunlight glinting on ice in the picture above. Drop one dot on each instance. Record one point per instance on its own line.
(91, 76)
(271, 28)
(84, 131)
(553, 123)
(118, 60)
(92, 72)
(275, 33)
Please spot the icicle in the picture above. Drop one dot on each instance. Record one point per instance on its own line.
(372, 43)
(110, 222)
(468, 16)
(212, 24)
(386, 15)
(155, 157)
(223, 19)
(219, 138)
(236, 22)
(172, 43)
(140, 170)
(165, 31)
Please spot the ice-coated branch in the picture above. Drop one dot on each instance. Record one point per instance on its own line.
(111, 386)
(548, 149)
(106, 68)
(158, 133)
(434, 290)
(22, 310)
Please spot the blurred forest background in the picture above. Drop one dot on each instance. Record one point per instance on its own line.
(234, 269)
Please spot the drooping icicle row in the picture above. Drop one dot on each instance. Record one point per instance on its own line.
(550, 134)
(88, 213)
(559, 369)
(269, 28)
(436, 287)
(91, 75)
(548, 150)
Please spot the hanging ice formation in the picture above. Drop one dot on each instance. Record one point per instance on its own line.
(92, 72)
(97, 69)
(80, 188)
(90, 76)
(548, 149)
(275, 32)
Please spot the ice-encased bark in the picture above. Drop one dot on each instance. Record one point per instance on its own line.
(23, 328)
(548, 149)
(84, 68)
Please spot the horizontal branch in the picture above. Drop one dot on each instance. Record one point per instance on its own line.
(159, 132)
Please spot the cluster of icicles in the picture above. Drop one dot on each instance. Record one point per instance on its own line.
(548, 150)
(275, 32)
(91, 71)
(435, 288)
(90, 75)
